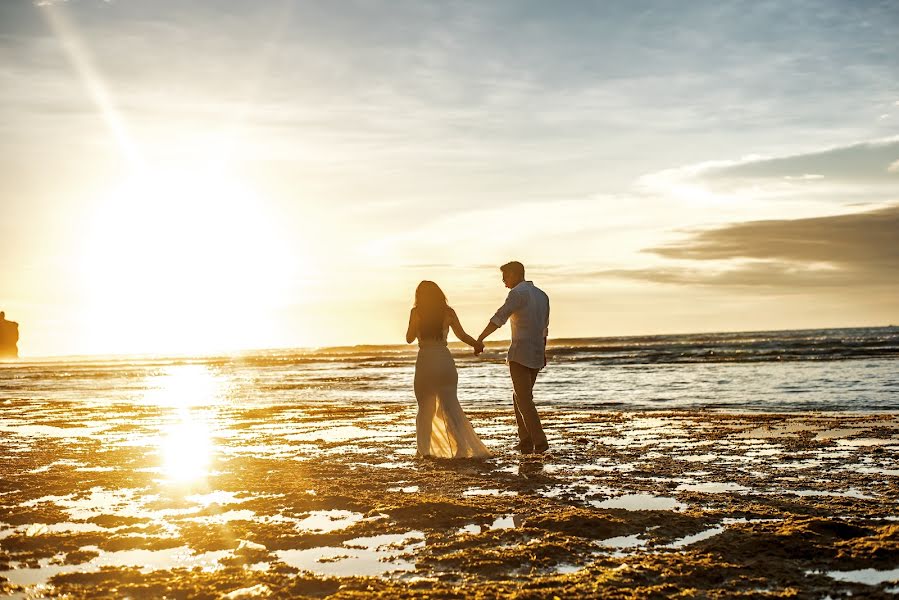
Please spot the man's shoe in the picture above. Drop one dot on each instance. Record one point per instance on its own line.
(524, 448)
(541, 448)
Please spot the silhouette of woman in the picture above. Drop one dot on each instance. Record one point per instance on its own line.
(442, 428)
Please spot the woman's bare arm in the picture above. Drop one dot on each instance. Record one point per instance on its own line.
(460, 333)
(412, 330)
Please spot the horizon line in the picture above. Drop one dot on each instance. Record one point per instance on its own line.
(336, 348)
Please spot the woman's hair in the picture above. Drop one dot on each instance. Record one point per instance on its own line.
(431, 305)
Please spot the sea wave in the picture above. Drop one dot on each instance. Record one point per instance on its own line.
(736, 347)
(770, 346)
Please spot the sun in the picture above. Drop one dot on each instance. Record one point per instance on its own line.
(183, 260)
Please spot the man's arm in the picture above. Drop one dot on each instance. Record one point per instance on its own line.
(487, 331)
(513, 302)
(546, 331)
(490, 328)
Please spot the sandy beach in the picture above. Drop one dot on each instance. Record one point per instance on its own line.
(329, 501)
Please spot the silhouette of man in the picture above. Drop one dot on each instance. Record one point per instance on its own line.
(528, 308)
(9, 337)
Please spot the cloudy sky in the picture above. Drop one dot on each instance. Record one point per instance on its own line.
(181, 176)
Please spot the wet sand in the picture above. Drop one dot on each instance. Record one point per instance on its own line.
(329, 501)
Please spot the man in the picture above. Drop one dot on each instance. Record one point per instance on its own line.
(528, 308)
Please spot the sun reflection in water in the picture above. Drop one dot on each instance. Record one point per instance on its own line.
(186, 447)
(183, 386)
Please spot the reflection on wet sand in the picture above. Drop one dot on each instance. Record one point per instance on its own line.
(186, 449)
(185, 439)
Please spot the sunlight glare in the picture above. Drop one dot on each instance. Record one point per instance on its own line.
(184, 386)
(185, 442)
(183, 260)
(79, 56)
(186, 449)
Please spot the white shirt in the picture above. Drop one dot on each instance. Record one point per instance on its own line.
(528, 308)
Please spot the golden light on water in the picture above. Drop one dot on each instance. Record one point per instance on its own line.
(186, 449)
(184, 386)
(186, 446)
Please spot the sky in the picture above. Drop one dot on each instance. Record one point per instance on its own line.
(220, 175)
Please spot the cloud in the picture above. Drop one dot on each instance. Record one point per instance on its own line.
(794, 186)
(866, 162)
(850, 253)
(857, 249)
(854, 239)
(792, 278)
(872, 162)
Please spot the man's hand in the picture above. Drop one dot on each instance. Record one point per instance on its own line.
(478, 347)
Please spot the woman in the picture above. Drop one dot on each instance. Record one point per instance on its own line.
(442, 428)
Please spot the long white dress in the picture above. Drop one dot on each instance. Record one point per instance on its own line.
(443, 430)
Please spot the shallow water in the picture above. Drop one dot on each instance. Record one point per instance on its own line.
(866, 576)
(376, 555)
(844, 369)
(641, 502)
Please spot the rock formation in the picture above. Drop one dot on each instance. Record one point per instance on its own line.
(9, 337)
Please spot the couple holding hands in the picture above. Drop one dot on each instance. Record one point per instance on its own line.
(442, 428)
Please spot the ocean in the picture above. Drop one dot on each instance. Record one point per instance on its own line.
(853, 369)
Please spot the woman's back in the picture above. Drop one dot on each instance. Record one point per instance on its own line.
(434, 332)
